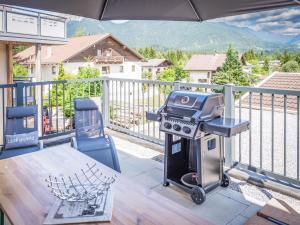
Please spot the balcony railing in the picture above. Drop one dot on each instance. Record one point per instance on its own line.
(109, 59)
(271, 146)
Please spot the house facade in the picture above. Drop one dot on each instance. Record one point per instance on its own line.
(201, 68)
(155, 66)
(102, 51)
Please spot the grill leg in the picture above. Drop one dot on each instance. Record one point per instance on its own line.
(168, 150)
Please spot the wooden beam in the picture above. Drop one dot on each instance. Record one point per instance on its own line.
(9, 76)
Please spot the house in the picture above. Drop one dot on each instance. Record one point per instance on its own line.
(155, 66)
(202, 67)
(272, 63)
(280, 81)
(102, 51)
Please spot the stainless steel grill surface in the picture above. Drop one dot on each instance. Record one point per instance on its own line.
(195, 129)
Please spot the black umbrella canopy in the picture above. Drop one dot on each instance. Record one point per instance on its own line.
(181, 10)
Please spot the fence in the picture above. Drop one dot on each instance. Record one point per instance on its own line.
(271, 145)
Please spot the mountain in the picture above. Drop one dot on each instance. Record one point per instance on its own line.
(295, 41)
(189, 36)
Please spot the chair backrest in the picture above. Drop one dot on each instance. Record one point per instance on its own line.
(21, 126)
(88, 119)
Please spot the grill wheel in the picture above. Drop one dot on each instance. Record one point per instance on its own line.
(198, 195)
(225, 180)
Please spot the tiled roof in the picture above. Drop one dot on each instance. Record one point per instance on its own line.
(278, 80)
(153, 62)
(205, 62)
(60, 53)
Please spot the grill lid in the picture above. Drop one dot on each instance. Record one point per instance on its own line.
(201, 106)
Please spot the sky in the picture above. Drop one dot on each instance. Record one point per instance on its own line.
(284, 21)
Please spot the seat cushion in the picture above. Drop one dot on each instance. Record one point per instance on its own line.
(92, 143)
(7, 153)
(101, 149)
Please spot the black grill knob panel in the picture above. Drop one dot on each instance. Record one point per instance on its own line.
(176, 127)
(167, 125)
(186, 130)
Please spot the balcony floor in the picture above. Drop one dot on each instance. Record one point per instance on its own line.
(232, 205)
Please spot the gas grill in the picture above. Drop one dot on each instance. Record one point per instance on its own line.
(194, 129)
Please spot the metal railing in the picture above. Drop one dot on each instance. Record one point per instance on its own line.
(270, 146)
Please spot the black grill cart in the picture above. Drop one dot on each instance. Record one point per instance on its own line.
(194, 136)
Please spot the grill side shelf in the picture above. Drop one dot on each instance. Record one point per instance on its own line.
(226, 127)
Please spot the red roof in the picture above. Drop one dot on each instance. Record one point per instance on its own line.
(278, 80)
(52, 54)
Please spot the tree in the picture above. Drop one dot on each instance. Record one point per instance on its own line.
(285, 57)
(79, 31)
(146, 75)
(231, 71)
(291, 66)
(20, 70)
(174, 73)
(266, 66)
(148, 52)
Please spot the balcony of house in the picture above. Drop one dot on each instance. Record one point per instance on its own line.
(266, 154)
(28, 26)
(104, 59)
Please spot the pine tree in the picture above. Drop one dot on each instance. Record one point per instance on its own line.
(231, 71)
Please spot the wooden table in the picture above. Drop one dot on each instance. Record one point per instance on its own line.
(25, 198)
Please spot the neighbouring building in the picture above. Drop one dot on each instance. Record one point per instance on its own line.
(155, 66)
(202, 67)
(102, 51)
(272, 63)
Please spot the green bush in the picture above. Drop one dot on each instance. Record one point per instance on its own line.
(20, 70)
(291, 66)
(66, 93)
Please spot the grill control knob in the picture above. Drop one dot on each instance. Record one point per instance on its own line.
(176, 127)
(167, 125)
(186, 130)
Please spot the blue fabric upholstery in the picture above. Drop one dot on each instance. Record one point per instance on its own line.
(21, 112)
(20, 121)
(90, 136)
(85, 104)
(18, 151)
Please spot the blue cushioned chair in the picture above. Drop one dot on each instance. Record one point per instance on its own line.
(21, 131)
(90, 138)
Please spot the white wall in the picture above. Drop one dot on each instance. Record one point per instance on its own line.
(196, 75)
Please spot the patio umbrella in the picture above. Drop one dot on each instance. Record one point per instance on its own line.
(186, 10)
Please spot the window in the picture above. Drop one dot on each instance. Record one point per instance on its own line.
(121, 69)
(202, 80)
(31, 70)
(107, 52)
(105, 70)
(54, 70)
(99, 52)
(133, 68)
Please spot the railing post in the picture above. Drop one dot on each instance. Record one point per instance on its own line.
(20, 93)
(105, 102)
(229, 113)
(176, 86)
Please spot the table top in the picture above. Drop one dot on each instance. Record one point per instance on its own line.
(26, 200)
